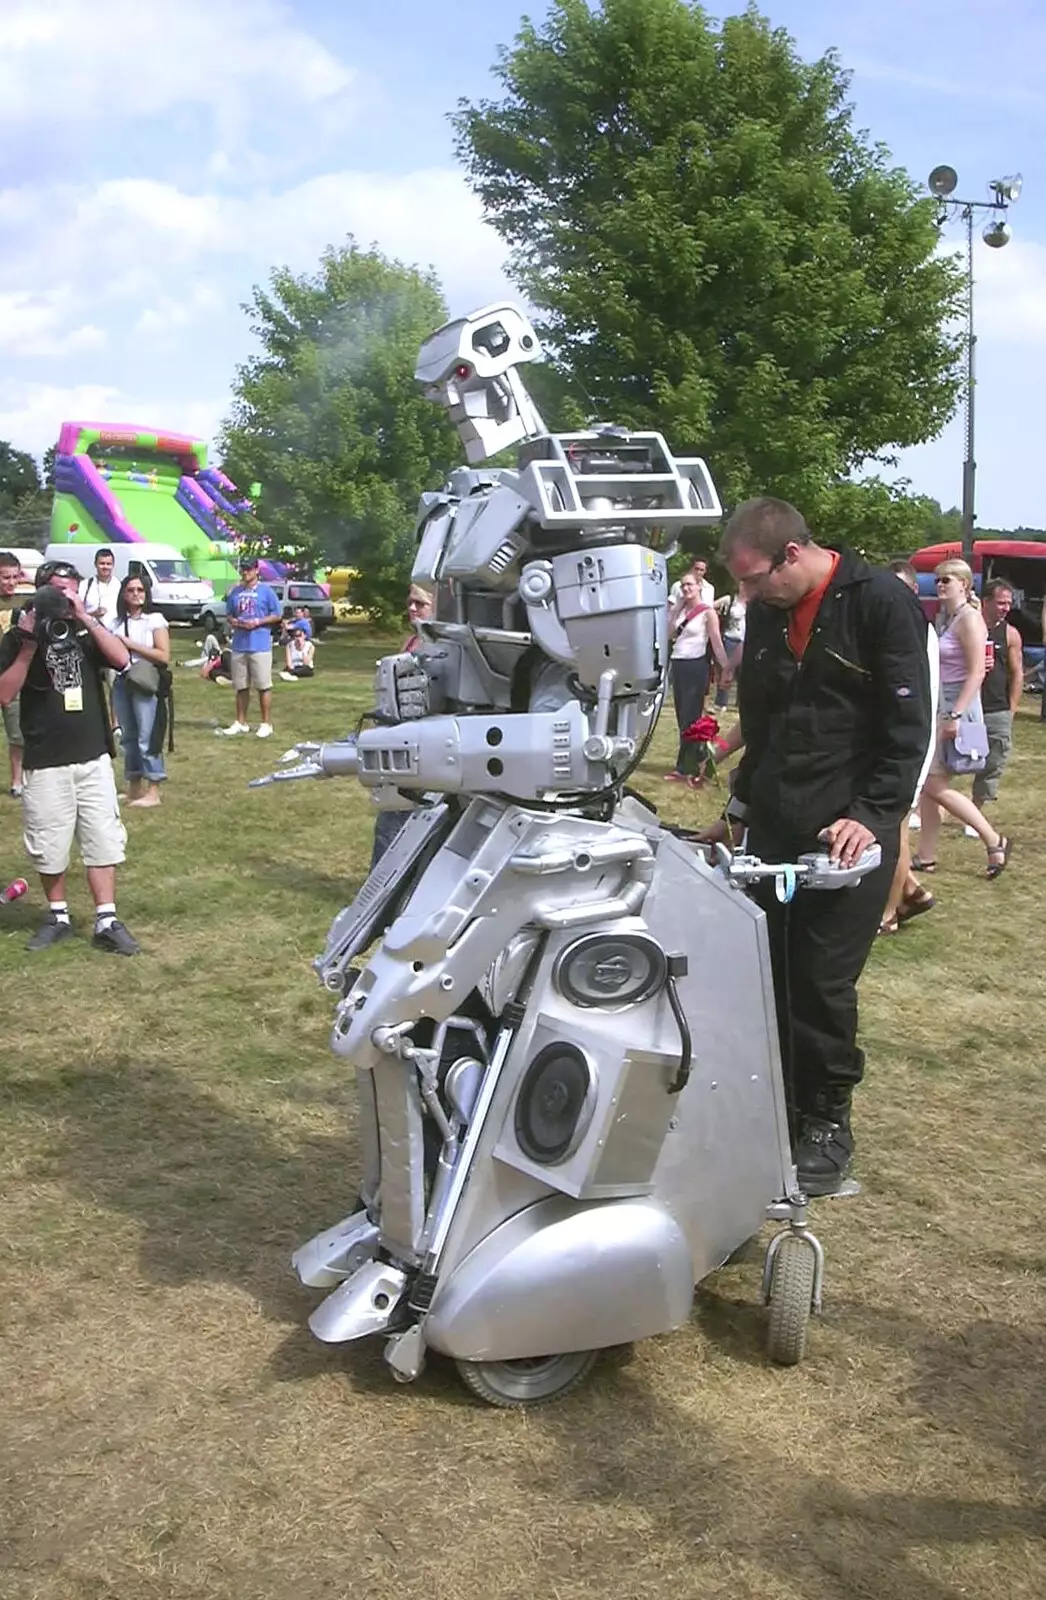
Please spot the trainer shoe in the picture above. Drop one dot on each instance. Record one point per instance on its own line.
(264, 730)
(115, 939)
(232, 730)
(50, 932)
(971, 833)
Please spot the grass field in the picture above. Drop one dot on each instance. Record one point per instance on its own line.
(173, 1125)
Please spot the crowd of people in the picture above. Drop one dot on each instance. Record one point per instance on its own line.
(85, 665)
(855, 718)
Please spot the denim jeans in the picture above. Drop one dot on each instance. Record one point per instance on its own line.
(136, 714)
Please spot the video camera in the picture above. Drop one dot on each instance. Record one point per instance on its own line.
(52, 617)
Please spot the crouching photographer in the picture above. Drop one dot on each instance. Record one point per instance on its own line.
(52, 660)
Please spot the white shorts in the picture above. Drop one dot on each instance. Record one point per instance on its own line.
(252, 669)
(63, 803)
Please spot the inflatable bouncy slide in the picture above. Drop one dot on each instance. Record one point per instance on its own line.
(116, 483)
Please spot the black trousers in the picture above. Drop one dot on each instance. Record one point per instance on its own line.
(689, 689)
(819, 944)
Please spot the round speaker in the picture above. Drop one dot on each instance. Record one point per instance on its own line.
(609, 971)
(555, 1103)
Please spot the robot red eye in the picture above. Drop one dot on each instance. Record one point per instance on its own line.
(463, 370)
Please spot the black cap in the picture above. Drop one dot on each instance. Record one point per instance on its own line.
(247, 562)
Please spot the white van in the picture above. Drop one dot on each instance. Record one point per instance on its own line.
(178, 594)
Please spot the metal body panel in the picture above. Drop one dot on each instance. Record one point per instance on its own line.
(728, 1156)
(335, 1254)
(558, 1277)
(362, 1305)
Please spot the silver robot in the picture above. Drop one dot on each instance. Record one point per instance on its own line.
(571, 1105)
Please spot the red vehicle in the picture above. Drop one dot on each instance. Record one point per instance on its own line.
(1022, 562)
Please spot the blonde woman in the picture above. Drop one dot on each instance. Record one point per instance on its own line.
(962, 635)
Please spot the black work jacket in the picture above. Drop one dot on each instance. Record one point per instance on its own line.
(844, 731)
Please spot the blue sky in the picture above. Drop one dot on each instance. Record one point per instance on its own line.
(157, 161)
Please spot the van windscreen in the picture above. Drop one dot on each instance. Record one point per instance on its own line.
(173, 571)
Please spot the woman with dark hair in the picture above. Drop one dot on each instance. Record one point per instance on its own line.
(141, 693)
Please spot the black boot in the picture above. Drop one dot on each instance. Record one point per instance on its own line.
(825, 1145)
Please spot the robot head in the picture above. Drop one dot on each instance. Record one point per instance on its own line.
(468, 366)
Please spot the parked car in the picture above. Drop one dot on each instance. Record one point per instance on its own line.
(291, 592)
(1022, 562)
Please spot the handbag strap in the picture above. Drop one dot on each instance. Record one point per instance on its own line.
(685, 622)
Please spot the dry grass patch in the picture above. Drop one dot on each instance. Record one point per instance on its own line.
(174, 1125)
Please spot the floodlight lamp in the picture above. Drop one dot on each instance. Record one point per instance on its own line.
(1009, 188)
(997, 233)
(942, 181)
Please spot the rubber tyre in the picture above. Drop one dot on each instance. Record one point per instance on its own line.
(791, 1302)
(207, 622)
(531, 1382)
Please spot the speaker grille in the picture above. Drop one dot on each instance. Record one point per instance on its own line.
(555, 1103)
(610, 971)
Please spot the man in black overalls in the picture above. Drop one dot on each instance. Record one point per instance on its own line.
(834, 700)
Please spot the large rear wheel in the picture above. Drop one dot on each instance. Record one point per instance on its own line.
(528, 1382)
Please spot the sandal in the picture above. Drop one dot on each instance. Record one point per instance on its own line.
(1002, 849)
(890, 925)
(913, 905)
(675, 777)
(919, 865)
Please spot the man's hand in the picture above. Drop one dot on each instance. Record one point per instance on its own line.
(76, 606)
(948, 727)
(722, 832)
(27, 622)
(847, 840)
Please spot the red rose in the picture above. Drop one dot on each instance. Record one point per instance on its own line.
(702, 731)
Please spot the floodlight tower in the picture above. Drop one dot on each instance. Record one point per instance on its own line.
(996, 233)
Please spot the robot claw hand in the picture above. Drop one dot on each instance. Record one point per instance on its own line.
(814, 870)
(311, 760)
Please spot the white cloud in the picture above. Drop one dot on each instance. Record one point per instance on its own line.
(30, 414)
(140, 241)
(138, 60)
(31, 326)
(166, 270)
(169, 314)
(1009, 297)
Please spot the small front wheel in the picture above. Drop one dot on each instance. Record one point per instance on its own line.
(791, 1300)
(530, 1381)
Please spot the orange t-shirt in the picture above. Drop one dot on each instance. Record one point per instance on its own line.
(801, 617)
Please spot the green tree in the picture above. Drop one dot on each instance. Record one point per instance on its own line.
(329, 419)
(715, 250)
(19, 477)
